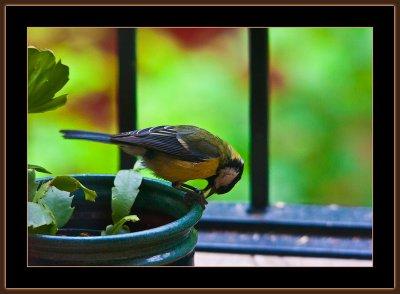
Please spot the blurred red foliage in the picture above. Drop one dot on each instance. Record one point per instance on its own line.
(95, 107)
(196, 37)
(109, 42)
(276, 79)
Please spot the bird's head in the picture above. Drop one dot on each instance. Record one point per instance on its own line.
(228, 174)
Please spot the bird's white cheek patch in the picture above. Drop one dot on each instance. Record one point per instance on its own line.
(225, 177)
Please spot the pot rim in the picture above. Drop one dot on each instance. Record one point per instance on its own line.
(168, 230)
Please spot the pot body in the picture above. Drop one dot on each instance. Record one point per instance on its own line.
(165, 234)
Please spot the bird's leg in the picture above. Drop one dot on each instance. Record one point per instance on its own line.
(194, 189)
(192, 194)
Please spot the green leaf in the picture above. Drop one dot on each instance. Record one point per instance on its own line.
(38, 168)
(41, 192)
(90, 195)
(124, 193)
(119, 227)
(45, 229)
(59, 203)
(64, 183)
(38, 215)
(32, 185)
(70, 184)
(51, 203)
(45, 79)
(50, 105)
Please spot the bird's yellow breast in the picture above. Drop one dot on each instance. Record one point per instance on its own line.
(176, 170)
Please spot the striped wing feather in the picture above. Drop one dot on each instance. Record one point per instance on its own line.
(184, 142)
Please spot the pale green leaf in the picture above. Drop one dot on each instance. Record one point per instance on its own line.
(65, 183)
(41, 192)
(38, 168)
(70, 184)
(32, 185)
(119, 227)
(59, 203)
(38, 215)
(124, 193)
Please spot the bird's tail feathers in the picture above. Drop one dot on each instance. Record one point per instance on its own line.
(84, 135)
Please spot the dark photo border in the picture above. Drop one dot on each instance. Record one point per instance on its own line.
(17, 16)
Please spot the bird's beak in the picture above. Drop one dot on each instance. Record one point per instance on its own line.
(209, 192)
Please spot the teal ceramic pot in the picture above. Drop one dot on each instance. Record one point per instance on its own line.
(165, 234)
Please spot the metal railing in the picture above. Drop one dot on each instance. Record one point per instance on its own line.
(305, 230)
(258, 57)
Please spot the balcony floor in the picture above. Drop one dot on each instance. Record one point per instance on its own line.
(227, 259)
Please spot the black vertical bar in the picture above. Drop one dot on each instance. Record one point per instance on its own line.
(258, 57)
(126, 87)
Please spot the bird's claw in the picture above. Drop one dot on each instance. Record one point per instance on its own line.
(197, 191)
(192, 197)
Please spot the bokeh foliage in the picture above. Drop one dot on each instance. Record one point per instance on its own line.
(321, 103)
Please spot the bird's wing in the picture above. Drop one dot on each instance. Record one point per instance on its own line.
(183, 142)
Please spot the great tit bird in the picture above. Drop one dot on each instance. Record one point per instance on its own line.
(178, 154)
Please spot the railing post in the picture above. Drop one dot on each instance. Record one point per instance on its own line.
(258, 62)
(126, 87)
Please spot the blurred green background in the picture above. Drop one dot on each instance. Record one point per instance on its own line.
(320, 100)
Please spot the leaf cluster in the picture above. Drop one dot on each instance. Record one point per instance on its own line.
(45, 78)
(49, 206)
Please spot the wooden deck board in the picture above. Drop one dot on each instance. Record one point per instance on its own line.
(227, 259)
